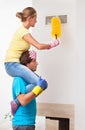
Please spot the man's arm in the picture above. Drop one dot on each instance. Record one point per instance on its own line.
(24, 99)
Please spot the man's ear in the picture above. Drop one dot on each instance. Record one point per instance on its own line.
(27, 65)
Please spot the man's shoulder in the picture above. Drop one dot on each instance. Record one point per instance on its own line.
(17, 78)
(18, 81)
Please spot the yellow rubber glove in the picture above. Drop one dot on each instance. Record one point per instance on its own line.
(42, 85)
(37, 90)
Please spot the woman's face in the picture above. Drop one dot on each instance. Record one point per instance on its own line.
(32, 21)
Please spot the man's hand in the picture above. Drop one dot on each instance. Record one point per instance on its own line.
(42, 85)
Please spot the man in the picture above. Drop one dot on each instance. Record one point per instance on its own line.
(24, 95)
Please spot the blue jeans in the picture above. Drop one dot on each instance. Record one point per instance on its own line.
(23, 127)
(17, 69)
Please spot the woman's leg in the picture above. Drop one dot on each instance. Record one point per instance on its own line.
(17, 69)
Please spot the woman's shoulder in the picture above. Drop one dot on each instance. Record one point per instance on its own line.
(22, 30)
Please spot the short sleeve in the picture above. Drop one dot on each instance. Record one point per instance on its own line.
(18, 86)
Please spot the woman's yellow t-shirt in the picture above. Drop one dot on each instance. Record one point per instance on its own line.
(17, 45)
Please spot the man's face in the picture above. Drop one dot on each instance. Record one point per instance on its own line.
(32, 65)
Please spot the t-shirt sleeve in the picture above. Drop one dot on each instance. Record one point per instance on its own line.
(18, 86)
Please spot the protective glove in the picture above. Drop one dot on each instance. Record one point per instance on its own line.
(41, 82)
(42, 85)
(54, 44)
(14, 106)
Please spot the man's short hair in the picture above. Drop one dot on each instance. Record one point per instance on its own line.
(27, 57)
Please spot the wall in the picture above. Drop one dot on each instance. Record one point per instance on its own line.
(63, 66)
(57, 65)
(80, 66)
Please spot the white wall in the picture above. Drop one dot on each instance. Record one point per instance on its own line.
(58, 64)
(80, 66)
(64, 66)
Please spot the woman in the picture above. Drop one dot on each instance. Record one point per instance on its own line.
(21, 41)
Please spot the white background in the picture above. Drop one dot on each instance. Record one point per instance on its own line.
(8, 24)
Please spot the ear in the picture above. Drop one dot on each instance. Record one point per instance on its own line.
(27, 65)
